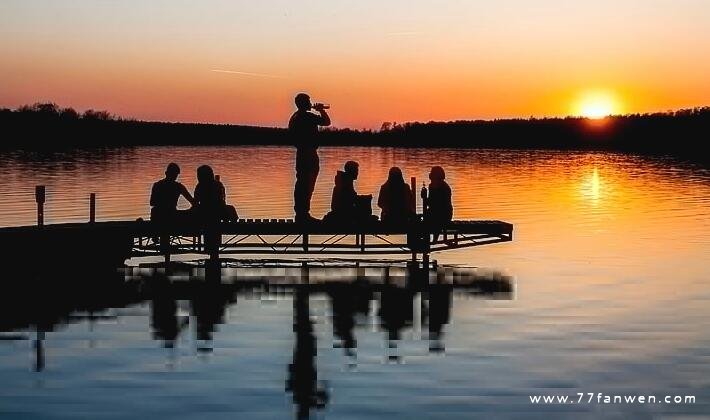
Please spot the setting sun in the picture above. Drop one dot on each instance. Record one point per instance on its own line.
(597, 105)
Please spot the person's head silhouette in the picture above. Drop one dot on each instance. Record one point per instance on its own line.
(352, 168)
(437, 174)
(303, 102)
(395, 176)
(172, 171)
(205, 174)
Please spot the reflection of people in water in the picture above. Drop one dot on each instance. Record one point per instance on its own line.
(342, 302)
(163, 313)
(438, 298)
(208, 302)
(303, 128)
(396, 312)
(302, 374)
(165, 194)
(396, 199)
(348, 300)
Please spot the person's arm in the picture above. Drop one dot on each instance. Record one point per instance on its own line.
(222, 192)
(381, 198)
(410, 201)
(197, 195)
(324, 119)
(185, 193)
(153, 198)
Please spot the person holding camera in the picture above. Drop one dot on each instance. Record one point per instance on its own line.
(303, 128)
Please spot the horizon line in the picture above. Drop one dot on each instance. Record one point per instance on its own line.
(528, 118)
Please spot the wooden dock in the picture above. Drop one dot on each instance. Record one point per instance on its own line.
(126, 239)
(114, 242)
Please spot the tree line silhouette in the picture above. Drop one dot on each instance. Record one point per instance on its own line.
(46, 126)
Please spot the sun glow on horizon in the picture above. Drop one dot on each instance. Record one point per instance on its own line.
(597, 105)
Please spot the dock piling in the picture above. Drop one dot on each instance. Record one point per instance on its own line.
(39, 198)
(92, 208)
(413, 184)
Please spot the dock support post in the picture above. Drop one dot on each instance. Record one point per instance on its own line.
(39, 198)
(359, 271)
(39, 349)
(305, 242)
(305, 273)
(413, 184)
(92, 208)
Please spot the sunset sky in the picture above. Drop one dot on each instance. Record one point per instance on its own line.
(373, 61)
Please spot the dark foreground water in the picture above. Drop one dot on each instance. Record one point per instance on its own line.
(609, 294)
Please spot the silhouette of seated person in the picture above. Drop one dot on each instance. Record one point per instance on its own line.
(346, 205)
(396, 199)
(210, 198)
(438, 208)
(164, 197)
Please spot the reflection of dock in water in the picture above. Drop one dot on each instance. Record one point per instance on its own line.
(195, 297)
(321, 274)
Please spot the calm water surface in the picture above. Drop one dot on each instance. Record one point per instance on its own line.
(609, 264)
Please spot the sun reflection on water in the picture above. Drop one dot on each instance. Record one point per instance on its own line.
(592, 187)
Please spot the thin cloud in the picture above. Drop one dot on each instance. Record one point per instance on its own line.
(246, 73)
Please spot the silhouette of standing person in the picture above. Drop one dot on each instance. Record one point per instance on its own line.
(303, 128)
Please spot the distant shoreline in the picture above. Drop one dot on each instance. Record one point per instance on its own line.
(682, 133)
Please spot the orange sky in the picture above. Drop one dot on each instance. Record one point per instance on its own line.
(373, 62)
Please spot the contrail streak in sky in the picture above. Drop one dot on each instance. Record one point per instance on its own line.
(244, 73)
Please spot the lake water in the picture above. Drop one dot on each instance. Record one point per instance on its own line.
(608, 266)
